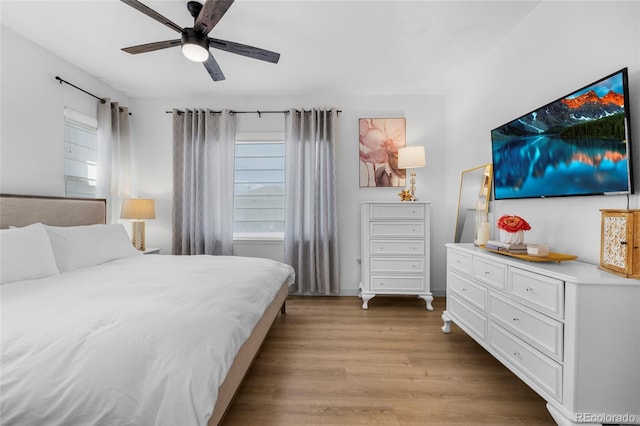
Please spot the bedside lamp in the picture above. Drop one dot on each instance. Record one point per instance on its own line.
(410, 157)
(138, 209)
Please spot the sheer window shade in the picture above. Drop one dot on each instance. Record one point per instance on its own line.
(80, 154)
(259, 186)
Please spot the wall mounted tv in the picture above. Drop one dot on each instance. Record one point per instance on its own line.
(579, 144)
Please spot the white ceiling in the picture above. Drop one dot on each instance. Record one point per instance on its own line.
(348, 47)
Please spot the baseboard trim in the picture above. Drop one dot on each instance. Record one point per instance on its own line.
(355, 292)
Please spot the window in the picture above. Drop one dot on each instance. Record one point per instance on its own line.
(258, 210)
(80, 154)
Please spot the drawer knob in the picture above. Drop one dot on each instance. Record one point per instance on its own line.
(516, 319)
(517, 354)
(487, 273)
(529, 290)
(464, 289)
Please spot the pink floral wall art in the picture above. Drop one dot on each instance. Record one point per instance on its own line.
(380, 139)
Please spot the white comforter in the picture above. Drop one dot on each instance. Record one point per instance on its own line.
(144, 340)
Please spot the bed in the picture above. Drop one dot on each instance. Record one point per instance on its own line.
(133, 340)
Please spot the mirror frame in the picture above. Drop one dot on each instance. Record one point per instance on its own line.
(480, 203)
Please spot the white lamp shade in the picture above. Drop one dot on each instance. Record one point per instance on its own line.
(195, 52)
(411, 156)
(138, 208)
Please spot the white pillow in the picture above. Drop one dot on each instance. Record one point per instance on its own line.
(77, 247)
(26, 254)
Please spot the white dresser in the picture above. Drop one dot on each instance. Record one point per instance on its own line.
(395, 250)
(568, 330)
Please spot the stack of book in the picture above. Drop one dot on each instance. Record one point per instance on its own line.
(506, 247)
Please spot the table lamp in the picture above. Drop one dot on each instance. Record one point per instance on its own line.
(138, 209)
(410, 157)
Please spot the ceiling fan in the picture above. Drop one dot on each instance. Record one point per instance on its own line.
(194, 41)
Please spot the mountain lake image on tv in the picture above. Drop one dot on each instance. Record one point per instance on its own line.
(576, 145)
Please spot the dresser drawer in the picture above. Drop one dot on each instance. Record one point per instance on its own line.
(407, 265)
(399, 247)
(538, 330)
(384, 284)
(397, 211)
(469, 319)
(538, 291)
(467, 290)
(490, 272)
(541, 369)
(459, 261)
(398, 229)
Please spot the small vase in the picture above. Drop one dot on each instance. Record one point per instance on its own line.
(512, 237)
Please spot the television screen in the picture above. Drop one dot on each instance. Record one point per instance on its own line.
(577, 145)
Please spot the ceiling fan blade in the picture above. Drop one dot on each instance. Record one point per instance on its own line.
(153, 14)
(150, 47)
(210, 14)
(243, 49)
(213, 69)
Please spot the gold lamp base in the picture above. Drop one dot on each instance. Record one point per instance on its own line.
(412, 188)
(137, 234)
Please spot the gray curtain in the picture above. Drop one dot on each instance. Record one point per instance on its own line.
(311, 231)
(203, 168)
(114, 156)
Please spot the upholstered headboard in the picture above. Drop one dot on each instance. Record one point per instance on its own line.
(22, 210)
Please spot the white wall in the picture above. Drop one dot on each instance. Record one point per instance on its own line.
(425, 117)
(32, 114)
(560, 47)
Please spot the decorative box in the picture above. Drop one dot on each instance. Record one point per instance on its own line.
(620, 242)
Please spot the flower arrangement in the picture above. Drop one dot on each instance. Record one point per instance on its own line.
(513, 223)
(512, 229)
(405, 195)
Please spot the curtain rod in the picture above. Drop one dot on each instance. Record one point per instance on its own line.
(250, 112)
(102, 100)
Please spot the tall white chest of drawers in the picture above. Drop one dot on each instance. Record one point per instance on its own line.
(395, 250)
(568, 330)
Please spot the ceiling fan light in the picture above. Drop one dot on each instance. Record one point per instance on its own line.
(195, 46)
(195, 52)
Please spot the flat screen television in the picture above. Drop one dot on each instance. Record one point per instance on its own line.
(579, 144)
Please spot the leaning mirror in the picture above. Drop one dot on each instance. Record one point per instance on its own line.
(473, 205)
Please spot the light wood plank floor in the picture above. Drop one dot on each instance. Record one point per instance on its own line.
(328, 362)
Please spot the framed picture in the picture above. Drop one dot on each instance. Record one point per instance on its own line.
(380, 139)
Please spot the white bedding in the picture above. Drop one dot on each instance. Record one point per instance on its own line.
(143, 340)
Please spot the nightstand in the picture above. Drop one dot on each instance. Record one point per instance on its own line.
(151, 251)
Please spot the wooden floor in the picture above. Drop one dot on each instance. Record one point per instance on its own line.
(328, 362)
